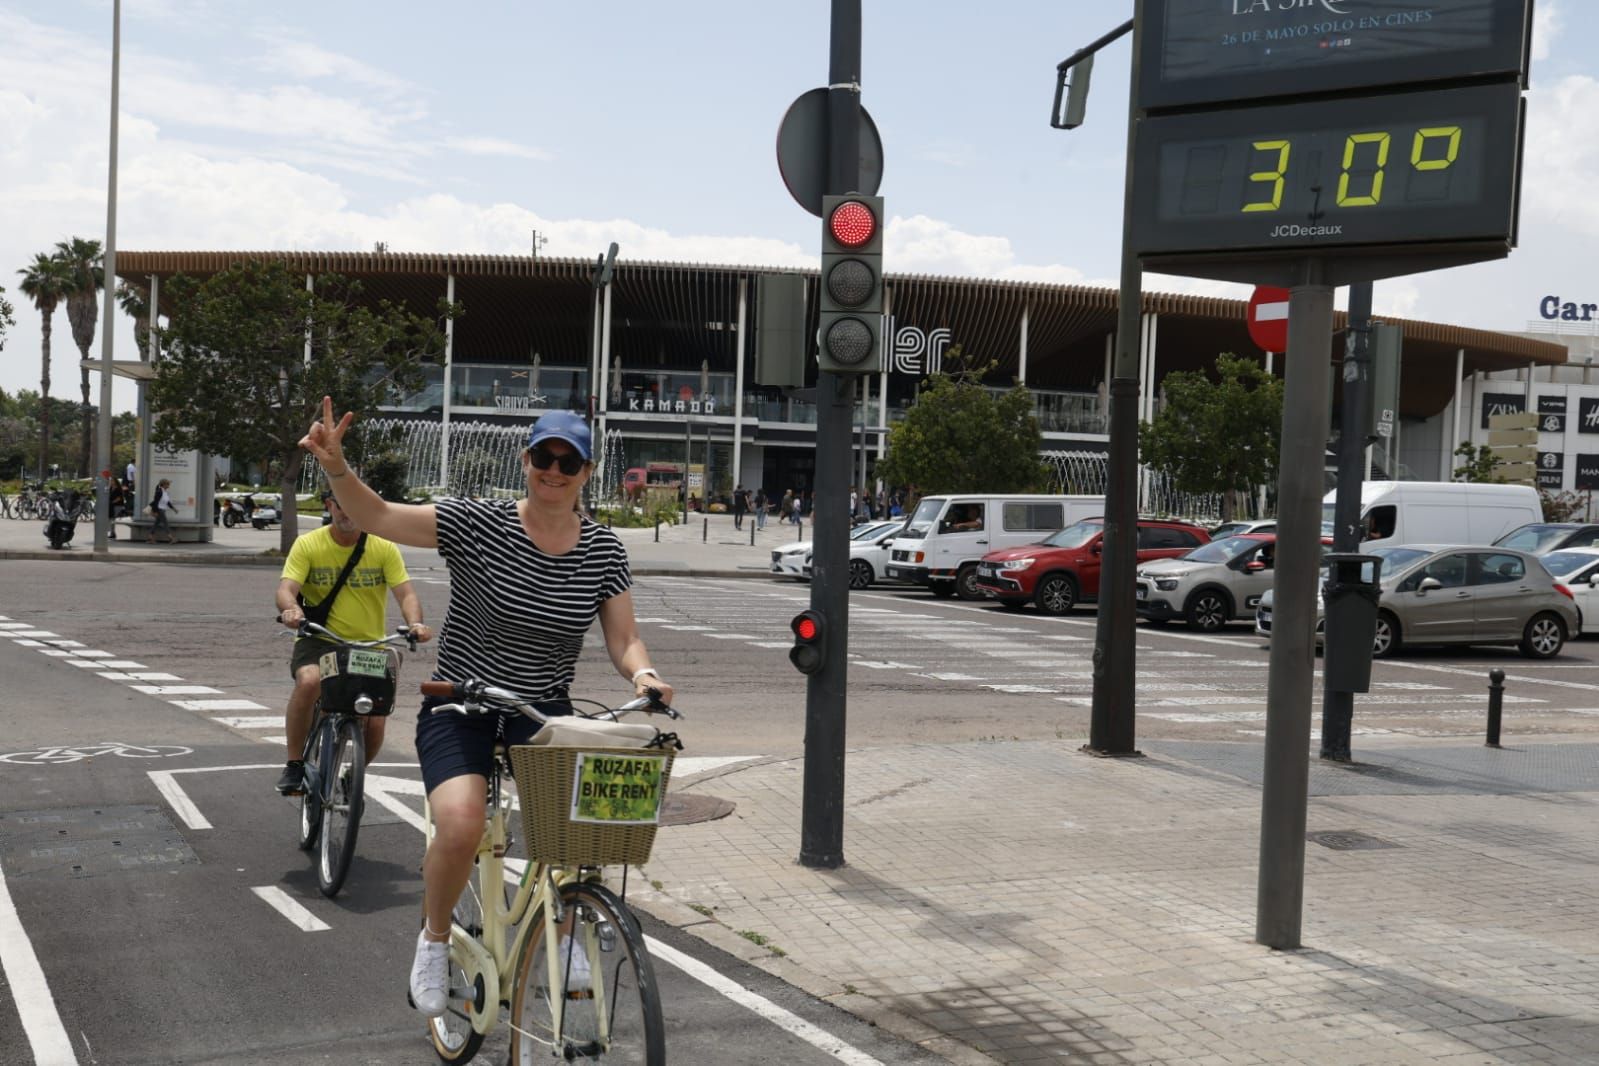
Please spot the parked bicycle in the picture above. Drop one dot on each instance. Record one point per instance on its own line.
(358, 681)
(565, 956)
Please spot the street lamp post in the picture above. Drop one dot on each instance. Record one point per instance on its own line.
(102, 501)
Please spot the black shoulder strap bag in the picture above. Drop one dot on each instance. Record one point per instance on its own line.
(319, 612)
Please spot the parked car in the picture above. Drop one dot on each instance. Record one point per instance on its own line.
(1234, 529)
(1578, 570)
(794, 560)
(869, 549)
(946, 536)
(1453, 594)
(1433, 512)
(1540, 538)
(1063, 569)
(1211, 585)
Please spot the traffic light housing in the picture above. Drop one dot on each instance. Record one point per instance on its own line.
(807, 654)
(850, 335)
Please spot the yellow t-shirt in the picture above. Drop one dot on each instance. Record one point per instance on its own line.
(359, 613)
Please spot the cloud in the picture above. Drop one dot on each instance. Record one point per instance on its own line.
(301, 60)
(494, 146)
(922, 245)
(1547, 22)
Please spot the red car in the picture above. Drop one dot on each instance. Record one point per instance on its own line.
(1064, 569)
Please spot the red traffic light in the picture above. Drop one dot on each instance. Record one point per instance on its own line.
(807, 654)
(807, 626)
(852, 224)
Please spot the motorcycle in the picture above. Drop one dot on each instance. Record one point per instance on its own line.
(262, 515)
(239, 509)
(60, 522)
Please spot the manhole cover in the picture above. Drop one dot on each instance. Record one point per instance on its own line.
(90, 841)
(1348, 840)
(687, 808)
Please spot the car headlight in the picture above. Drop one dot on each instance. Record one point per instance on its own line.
(1018, 564)
(1166, 584)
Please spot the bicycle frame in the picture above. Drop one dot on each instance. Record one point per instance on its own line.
(497, 953)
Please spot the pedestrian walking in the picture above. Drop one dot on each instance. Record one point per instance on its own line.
(785, 510)
(740, 506)
(760, 508)
(162, 508)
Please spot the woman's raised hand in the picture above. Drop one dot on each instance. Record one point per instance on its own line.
(325, 439)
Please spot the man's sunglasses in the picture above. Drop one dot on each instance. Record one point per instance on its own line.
(569, 462)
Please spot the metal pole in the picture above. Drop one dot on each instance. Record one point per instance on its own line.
(1338, 707)
(822, 806)
(449, 356)
(1289, 686)
(1454, 439)
(738, 384)
(102, 496)
(1496, 698)
(1113, 721)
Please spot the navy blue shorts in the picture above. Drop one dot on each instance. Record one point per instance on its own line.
(452, 744)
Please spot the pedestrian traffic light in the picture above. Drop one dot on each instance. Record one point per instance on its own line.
(850, 336)
(807, 654)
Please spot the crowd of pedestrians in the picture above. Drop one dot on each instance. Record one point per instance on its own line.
(796, 505)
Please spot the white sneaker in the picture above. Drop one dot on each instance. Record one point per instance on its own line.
(430, 977)
(574, 966)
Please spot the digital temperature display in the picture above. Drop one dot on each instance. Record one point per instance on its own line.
(1419, 167)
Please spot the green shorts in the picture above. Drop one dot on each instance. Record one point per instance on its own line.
(307, 650)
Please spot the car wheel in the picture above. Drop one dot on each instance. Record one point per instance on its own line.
(860, 574)
(942, 589)
(1385, 637)
(1056, 594)
(1207, 610)
(966, 584)
(1544, 636)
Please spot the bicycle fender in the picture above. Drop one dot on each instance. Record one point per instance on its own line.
(479, 965)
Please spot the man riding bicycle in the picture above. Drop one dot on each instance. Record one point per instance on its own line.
(357, 613)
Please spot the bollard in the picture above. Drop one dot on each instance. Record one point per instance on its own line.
(1496, 699)
(657, 529)
(752, 533)
(705, 534)
(799, 531)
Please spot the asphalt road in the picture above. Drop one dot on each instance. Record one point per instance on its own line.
(156, 946)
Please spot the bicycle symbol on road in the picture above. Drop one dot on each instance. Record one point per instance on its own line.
(77, 753)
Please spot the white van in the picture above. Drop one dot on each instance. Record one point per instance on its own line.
(946, 535)
(1437, 512)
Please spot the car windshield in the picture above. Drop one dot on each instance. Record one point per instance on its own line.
(1222, 551)
(1564, 564)
(922, 518)
(1228, 528)
(1075, 536)
(1396, 559)
(1532, 538)
(870, 530)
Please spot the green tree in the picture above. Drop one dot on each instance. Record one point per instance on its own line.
(84, 266)
(6, 317)
(134, 299)
(234, 378)
(1217, 435)
(960, 437)
(46, 283)
(1477, 463)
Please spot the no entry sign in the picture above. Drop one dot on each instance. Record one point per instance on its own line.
(1268, 318)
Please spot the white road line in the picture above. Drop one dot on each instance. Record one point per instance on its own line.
(220, 705)
(176, 690)
(279, 901)
(179, 800)
(254, 721)
(35, 1006)
(765, 1008)
(1482, 675)
(121, 664)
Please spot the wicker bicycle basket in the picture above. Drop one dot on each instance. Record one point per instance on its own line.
(544, 781)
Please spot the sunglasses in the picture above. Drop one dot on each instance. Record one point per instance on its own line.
(569, 462)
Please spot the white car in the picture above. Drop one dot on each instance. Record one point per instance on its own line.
(1578, 570)
(790, 560)
(871, 538)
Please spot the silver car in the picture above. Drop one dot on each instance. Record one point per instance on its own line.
(1211, 585)
(1465, 594)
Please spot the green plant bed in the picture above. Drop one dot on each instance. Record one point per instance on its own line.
(634, 517)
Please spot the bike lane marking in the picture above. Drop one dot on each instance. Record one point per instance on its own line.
(285, 905)
(29, 989)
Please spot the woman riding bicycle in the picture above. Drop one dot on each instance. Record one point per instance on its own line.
(527, 579)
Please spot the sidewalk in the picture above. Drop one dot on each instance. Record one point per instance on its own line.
(708, 546)
(1025, 903)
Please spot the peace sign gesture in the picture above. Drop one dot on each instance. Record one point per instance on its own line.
(325, 439)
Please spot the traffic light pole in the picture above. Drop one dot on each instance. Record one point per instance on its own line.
(1338, 708)
(1112, 720)
(822, 806)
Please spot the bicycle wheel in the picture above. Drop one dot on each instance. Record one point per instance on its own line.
(311, 796)
(615, 1015)
(455, 1039)
(341, 806)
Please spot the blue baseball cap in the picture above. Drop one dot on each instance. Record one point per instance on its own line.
(563, 425)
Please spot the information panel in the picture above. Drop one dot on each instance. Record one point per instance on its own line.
(1410, 168)
(1208, 51)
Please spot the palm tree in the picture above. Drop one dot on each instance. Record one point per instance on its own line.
(44, 282)
(86, 272)
(134, 299)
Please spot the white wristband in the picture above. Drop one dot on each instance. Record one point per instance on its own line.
(647, 670)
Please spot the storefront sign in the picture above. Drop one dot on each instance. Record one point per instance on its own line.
(1587, 415)
(701, 405)
(617, 789)
(917, 351)
(1554, 308)
(1501, 403)
(1587, 473)
(182, 468)
(1551, 470)
(1552, 414)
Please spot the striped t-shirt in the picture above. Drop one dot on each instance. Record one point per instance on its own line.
(517, 615)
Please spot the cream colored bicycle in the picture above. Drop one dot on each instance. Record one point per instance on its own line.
(563, 954)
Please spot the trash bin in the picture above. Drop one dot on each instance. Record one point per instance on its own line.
(1350, 595)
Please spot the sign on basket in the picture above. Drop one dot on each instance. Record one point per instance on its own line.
(617, 789)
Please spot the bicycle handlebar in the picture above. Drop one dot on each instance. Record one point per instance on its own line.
(471, 696)
(307, 628)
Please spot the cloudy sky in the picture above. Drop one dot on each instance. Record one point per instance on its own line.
(465, 127)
